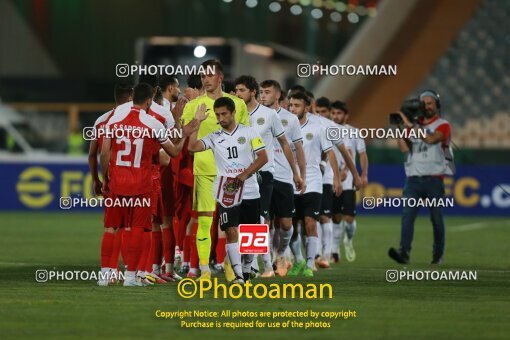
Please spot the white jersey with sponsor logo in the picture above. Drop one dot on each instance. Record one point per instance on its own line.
(314, 144)
(265, 121)
(327, 177)
(290, 123)
(354, 146)
(233, 153)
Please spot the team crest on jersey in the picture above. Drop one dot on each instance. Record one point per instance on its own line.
(230, 187)
(285, 122)
(261, 121)
(309, 136)
(241, 140)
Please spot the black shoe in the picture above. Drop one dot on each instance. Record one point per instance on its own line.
(336, 258)
(246, 277)
(437, 259)
(184, 270)
(399, 256)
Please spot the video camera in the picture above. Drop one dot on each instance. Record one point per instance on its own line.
(413, 109)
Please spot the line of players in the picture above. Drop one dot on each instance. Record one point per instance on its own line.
(295, 188)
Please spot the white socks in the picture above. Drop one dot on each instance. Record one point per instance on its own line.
(350, 229)
(295, 246)
(235, 258)
(285, 237)
(337, 237)
(327, 239)
(312, 246)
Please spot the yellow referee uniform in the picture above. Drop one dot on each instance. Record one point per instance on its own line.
(204, 167)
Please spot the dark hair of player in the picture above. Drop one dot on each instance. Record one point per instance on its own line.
(310, 95)
(296, 88)
(269, 83)
(250, 83)
(225, 102)
(323, 102)
(122, 92)
(141, 93)
(213, 62)
(158, 97)
(194, 81)
(229, 86)
(152, 80)
(339, 105)
(300, 96)
(166, 81)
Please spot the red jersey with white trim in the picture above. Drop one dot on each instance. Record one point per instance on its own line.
(164, 116)
(131, 159)
(99, 124)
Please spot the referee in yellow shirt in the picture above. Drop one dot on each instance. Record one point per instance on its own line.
(204, 167)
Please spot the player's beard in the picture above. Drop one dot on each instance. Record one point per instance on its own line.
(430, 113)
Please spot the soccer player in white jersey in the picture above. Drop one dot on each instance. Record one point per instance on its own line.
(268, 125)
(345, 207)
(234, 147)
(323, 109)
(282, 200)
(308, 205)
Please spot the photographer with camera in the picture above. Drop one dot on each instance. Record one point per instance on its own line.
(429, 159)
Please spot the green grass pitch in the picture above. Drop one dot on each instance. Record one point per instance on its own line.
(412, 309)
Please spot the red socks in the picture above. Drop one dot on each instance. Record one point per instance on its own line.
(155, 252)
(117, 242)
(134, 248)
(220, 250)
(106, 249)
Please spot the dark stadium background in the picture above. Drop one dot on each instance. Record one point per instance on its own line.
(57, 72)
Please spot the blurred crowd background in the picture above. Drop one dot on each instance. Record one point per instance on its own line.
(58, 61)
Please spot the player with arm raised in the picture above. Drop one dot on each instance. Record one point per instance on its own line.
(111, 240)
(235, 187)
(126, 167)
(204, 167)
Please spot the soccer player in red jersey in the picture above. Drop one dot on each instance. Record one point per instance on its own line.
(111, 240)
(126, 165)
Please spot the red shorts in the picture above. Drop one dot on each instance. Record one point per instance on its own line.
(133, 216)
(157, 202)
(167, 191)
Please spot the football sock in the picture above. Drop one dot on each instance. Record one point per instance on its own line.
(285, 236)
(295, 246)
(106, 249)
(235, 258)
(350, 229)
(204, 239)
(312, 246)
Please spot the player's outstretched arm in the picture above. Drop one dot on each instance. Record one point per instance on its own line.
(350, 164)
(290, 158)
(93, 167)
(260, 160)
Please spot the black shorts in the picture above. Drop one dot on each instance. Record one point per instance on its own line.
(327, 199)
(246, 212)
(266, 191)
(282, 200)
(345, 204)
(307, 205)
